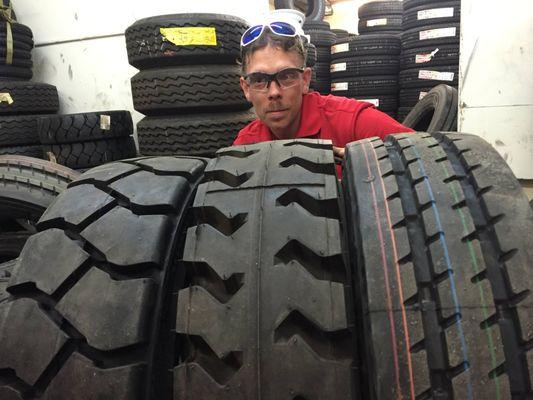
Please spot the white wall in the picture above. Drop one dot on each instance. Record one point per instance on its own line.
(345, 15)
(496, 79)
(80, 45)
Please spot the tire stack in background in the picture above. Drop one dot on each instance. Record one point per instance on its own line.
(22, 102)
(430, 49)
(188, 83)
(323, 38)
(366, 67)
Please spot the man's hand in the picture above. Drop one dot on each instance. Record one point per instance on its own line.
(338, 153)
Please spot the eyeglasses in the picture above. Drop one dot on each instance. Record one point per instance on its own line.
(286, 78)
(278, 28)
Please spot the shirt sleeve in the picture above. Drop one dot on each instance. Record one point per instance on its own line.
(372, 123)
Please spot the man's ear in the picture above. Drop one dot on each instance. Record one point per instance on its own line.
(245, 88)
(308, 72)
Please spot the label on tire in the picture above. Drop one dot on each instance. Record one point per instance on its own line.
(6, 98)
(105, 122)
(190, 36)
(340, 48)
(435, 13)
(435, 75)
(336, 86)
(373, 101)
(338, 67)
(421, 95)
(438, 33)
(376, 22)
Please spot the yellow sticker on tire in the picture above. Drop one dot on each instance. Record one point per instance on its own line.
(191, 36)
(6, 98)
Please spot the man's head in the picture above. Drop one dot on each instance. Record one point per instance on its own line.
(277, 99)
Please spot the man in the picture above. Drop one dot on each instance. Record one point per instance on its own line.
(276, 81)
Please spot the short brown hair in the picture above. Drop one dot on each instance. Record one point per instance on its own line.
(268, 38)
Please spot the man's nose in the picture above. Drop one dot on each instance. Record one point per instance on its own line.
(274, 89)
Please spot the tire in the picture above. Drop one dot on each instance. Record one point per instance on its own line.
(311, 55)
(409, 97)
(321, 38)
(443, 243)
(322, 70)
(385, 103)
(340, 33)
(29, 98)
(18, 46)
(198, 135)
(376, 25)
(148, 48)
(316, 25)
(199, 88)
(82, 127)
(409, 4)
(90, 153)
(421, 77)
(402, 113)
(26, 150)
(267, 280)
(366, 45)
(379, 8)
(364, 66)
(15, 73)
(115, 232)
(437, 111)
(441, 13)
(427, 57)
(27, 187)
(19, 31)
(314, 11)
(423, 36)
(367, 85)
(19, 130)
(323, 54)
(6, 269)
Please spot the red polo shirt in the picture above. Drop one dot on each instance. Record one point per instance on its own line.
(339, 119)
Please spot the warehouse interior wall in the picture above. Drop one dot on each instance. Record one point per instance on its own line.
(81, 49)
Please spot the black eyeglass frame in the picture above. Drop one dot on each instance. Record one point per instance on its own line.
(271, 77)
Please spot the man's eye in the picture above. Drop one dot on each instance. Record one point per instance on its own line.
(287, 75)
(257, 79)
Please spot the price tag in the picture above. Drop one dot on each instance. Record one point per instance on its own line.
(373, 101)
(338, 67)
(340, 48)
(435, 75)
(435, 13)
(337, 86)
(105, 122)
(438, 33)
(376, 22)
(190, 36)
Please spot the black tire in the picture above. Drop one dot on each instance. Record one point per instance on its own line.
(421, 77)
(385, 103)
(316, 25)
(314, 11)
(376, 25)
(90, 153)
(366, 45)
(322, 70)
(29, 98)
(27, 187)
(15, 73)
(199, 135)
(114, 241)
(380, 7)
(6, 268)
(367, 85)
(148, 48)
(409, 97)
(437, 111)
(321, 38)
(20, 32)
(19, 130)
(444, 252)
(198, 88)
(426, 57)
(18, 46)
(82, 127)
(408, 4)
(267, 280)
(423, 36)
(340, 33)
(402, 113)
(448, 12)
(323, 54)
(311, 55)
(364, 66)
(25, 150)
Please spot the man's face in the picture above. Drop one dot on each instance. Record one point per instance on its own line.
(279, 108)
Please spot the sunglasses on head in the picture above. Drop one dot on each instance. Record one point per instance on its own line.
(278, 28)
(286, 78)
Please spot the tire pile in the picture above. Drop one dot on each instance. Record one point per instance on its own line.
(430, 49)
(322, 37)
(22, 102)
(256, 275)
(366, 67)
(188, 83)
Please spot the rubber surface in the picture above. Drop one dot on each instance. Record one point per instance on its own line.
(19, 130)
(81, 127)
(200, 134)
(379, 24)
(314, 10)
(419, 16)
(366, 45)
(199, 88)
(427, 77)
(96, 282)
(148, 48)
(29, 98)
(429, 35)
(364, 66)
(425, 57)
(380, 7)
(443, 252)
(369, 85)
(23, 150)
(267, 313)
(90, 153)
(409, 97)
(437, 111)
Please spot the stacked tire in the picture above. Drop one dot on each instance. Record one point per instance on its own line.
(366, 68)
(381, 16)
(86, 140)
(323, 38)
(430, 49)
(22, 103)
(188, 83)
